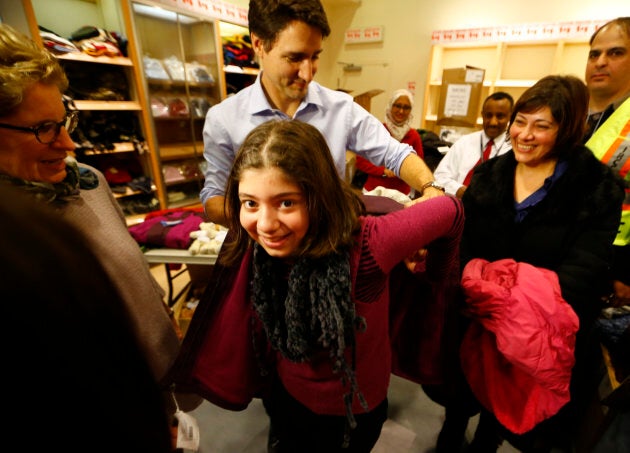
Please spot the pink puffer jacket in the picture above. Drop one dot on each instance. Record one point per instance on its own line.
(518, 352)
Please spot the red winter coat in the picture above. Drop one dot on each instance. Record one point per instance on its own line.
(518, 352)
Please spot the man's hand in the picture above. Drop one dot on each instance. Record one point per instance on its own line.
(415, 172)
(429, 192)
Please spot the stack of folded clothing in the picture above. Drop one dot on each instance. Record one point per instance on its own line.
(238, 51)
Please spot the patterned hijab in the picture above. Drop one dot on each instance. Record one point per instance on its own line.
(398, 130)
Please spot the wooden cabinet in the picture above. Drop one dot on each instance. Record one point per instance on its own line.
(168, 108)
(110, 135)
(510, 66)
(180, 70)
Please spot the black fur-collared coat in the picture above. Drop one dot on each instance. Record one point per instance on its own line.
(569, 232)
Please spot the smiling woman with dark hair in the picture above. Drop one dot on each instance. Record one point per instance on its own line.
(547, 203)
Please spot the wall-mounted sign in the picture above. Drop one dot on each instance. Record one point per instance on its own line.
(523, 32)
(365, 34)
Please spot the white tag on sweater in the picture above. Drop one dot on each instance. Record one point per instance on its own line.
(187, 431)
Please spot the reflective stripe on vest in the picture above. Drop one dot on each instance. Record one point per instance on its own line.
(611, 144)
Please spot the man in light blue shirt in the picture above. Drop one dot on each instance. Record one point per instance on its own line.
(287, 37)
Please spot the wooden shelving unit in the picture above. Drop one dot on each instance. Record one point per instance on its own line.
(510, 66)
(80, 56)
(159, 31)
(127, 112)
(235, 78)
(176, 104)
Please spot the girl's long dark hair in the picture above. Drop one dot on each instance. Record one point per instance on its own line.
(300, 151)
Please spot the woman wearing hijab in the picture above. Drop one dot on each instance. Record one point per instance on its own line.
(397, 119)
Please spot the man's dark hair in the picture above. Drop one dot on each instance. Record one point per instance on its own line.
(267, 18)
(623, 22)
(500, 95)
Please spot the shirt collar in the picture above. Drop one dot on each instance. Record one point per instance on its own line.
(523, 208)
(260, 104)
(501, 139)
(612, 107)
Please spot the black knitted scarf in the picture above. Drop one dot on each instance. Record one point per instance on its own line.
(310, 311)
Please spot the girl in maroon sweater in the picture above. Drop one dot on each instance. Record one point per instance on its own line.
(317, 272)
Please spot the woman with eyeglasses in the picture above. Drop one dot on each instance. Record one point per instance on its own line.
(35, 147)
(397, 119)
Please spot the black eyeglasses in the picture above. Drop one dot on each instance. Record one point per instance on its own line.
(46, 133)
(402, 106)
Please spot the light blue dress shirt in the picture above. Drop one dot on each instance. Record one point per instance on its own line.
(344, 123)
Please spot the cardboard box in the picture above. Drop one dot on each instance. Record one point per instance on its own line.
(365, 99)
(460, 96)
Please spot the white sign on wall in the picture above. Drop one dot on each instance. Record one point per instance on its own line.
(523, 32)
(365, 34)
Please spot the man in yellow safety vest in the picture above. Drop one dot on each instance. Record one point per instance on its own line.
(608, 79)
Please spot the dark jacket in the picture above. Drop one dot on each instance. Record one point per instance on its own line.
(569, 232)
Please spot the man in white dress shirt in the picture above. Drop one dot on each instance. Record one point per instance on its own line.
(455, 168)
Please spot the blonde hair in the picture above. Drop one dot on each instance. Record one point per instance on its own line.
(22, 64)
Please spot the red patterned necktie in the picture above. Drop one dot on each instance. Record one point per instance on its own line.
(485, 157)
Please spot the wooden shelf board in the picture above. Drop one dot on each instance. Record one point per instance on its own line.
(107, 105)
(181, 151)
(130, 192)
(123, 147)
(192, 201)
(182, 181)
(180, 83)
(232, 69)
(83, 57)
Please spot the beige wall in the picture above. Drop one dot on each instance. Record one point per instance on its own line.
(403, 56)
